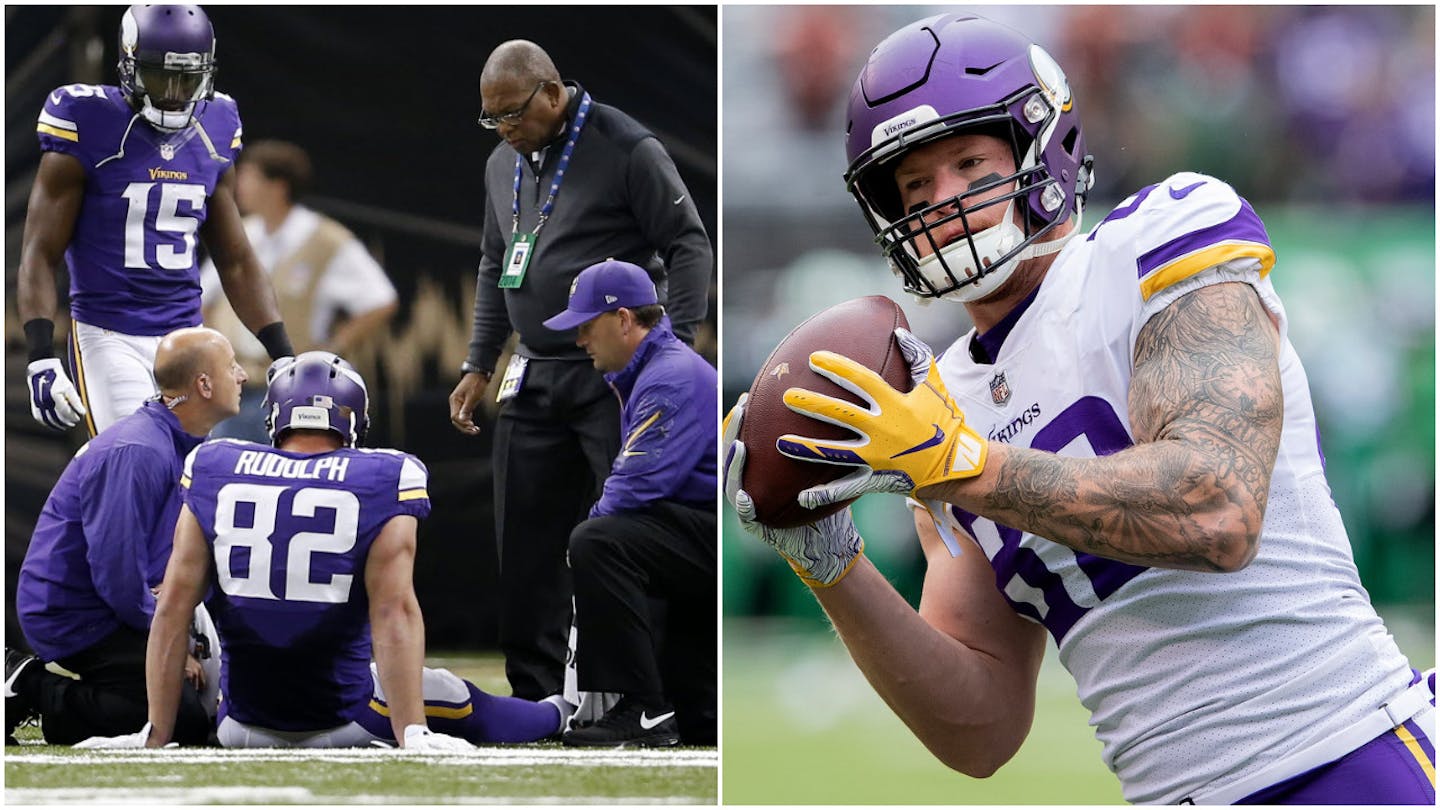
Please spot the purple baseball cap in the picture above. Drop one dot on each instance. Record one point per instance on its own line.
(602, 288)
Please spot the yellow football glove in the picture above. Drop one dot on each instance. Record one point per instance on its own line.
(906, 440)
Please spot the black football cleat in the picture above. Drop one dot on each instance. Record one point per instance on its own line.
(17, 708)
(628, 725)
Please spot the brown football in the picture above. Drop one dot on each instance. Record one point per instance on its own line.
(862, 330)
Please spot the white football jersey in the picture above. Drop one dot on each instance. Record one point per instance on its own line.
(1192, 680)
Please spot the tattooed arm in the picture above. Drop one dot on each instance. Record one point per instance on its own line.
(1205, 408)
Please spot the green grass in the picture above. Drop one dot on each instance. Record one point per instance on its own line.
(801, 726)
(545, 773)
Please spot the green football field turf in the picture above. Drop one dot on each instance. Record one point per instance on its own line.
(801, 726)
(546, 773)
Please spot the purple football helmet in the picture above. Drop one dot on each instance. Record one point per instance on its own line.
(167, 63)
(956, 73)
(316, 391)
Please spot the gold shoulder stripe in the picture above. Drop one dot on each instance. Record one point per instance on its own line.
(185, 481)
(64, 134)
(413, 494)
(1188, 265)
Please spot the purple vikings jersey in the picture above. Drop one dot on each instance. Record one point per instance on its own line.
(290, 534)
(103, 539)
(132, 258)
(1287, 650)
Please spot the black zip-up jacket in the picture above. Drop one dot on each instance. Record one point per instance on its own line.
(621, 198)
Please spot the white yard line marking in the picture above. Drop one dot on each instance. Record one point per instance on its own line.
(294, 795)
(199, 795)
(639, 758)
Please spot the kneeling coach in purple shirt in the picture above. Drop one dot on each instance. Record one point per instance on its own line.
(652, 533)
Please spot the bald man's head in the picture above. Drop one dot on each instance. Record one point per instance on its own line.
(185, 354)
(519, 60)
(198, 377)
(521, 89)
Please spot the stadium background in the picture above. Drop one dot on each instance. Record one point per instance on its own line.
(1323, 118)
(385, 99)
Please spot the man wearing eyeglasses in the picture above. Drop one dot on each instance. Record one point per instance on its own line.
(574, 182)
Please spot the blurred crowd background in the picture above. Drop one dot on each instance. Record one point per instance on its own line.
(1322, 117)
(385, 100)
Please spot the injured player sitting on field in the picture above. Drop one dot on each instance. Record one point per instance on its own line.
(312, 544)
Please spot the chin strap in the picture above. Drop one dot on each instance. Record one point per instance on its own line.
(162, 119)
(996, 275)
(1035, 250)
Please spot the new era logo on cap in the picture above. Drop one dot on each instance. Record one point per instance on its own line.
(604, 287)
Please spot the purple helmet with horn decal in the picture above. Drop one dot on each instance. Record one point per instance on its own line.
(956, 73)
(316, 391)
(167, 63)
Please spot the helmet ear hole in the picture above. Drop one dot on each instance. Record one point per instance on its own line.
(1069, 141)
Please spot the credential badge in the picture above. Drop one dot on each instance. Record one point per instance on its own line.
(999, 389)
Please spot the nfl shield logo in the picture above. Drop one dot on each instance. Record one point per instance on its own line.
(999, 389)
(167, 151)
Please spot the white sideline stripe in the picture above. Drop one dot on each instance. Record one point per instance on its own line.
(216, 795)
(294, 795)
(640, 758)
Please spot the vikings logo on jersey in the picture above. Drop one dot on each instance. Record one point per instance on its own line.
(134, 267)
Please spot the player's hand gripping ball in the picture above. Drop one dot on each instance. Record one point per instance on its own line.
(863, 330)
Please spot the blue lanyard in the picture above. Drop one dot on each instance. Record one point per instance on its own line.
(549, 205)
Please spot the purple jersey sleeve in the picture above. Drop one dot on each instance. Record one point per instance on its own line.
(668, 425)
(123, 506)
(671, 435)
(221, 119)
(68, 112)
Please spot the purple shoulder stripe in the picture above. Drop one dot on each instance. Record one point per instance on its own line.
(1245, 226)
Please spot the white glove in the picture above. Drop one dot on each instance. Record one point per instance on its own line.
(820, 553)
(136, 740)
(54, 402)
(421, 739)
